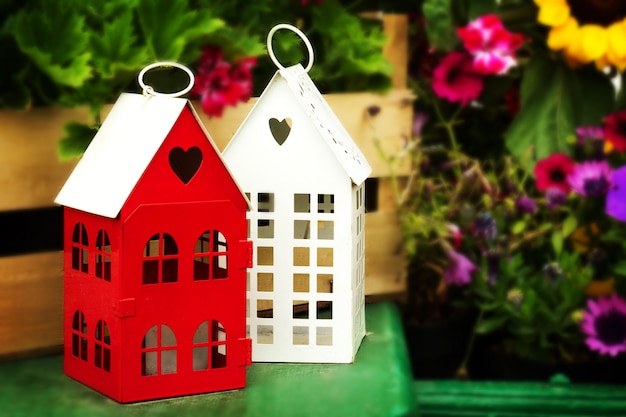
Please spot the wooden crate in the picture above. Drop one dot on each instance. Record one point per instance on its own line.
(31, 175)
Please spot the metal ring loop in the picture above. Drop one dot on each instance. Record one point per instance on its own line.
(148, 90)
(298, 32)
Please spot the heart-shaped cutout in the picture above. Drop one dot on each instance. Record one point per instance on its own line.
(185, 164)
(280, 129)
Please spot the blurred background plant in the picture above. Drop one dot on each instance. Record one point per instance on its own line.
(515, 209)
(76, 53)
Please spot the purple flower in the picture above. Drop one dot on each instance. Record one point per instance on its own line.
(604, 323)
(459, 270)
(591, 178)
(485, 227)
(616, 196)
(525, 204)
(555, 197)
(419, 120)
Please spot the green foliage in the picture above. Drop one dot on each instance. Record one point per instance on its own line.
(440, 26)
(554, 101)
(86, 52)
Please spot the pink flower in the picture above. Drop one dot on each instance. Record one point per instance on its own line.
(590, 178)
(492, 46)
(604, 323)
(459, 270)
(456, 80)
(220, 84)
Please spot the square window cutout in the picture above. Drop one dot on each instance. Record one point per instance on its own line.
(265, 202)
(265, 334)
(265, 229)
(325, 283)
(324, 336)
(300, 335)
(301, 256)
(301, 229)
(300, 309)
(265, 282)
(265, 255)
(265, 309)
(301, 203)
(300, 282)
(324, 256)
(325, 203)
(325, 229)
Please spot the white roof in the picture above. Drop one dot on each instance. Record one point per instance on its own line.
(120, 152)
(325, 121)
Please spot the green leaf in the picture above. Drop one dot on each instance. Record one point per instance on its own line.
(488, 325)
(620, 267)
(169, 26)
(77, 138)
(557, 241)
(518, 227)
(549, 103)
(115, 49)
(569, 225)
(440, 28)
(555, 100)
(54, 36)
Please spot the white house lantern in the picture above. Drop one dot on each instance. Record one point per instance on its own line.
(305, 178)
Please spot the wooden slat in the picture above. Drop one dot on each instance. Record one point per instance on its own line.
(31, 302)
(396, 27)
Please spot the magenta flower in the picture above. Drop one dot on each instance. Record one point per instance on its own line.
(552, 172)
(591, 178)
(220, 84)
(492, 46)
(525, 204)
(604, 323)
(459, 270)
(585, 133)
(616, 196)
(456, 80)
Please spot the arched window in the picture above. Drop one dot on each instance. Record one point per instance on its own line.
(79, 335)
(211, 256)
(80, 254)
(103, 256)
(158, 351)
(160, 259)
(102, 347)
(209, 346)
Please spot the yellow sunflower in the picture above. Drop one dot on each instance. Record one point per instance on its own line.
(586, 30)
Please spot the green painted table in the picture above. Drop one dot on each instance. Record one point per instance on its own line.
(377, 384)
(518, 399)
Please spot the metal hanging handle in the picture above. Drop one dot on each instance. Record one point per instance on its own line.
(149, 91)
(298, 32)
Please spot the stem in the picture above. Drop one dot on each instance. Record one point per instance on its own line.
(470, 345)
(448, 125)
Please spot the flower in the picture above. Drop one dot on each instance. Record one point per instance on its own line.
(220, 84)
(586, 30)
(590, 179)
(616, 196)
(456, 80)
(555, 198)
(615, 130)
(604, 324)
(459, 270)
(525, 204)
(586, 133)
(552, 172)
(485, 227)
(492, 46)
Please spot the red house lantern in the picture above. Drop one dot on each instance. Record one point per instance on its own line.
(156, 253)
